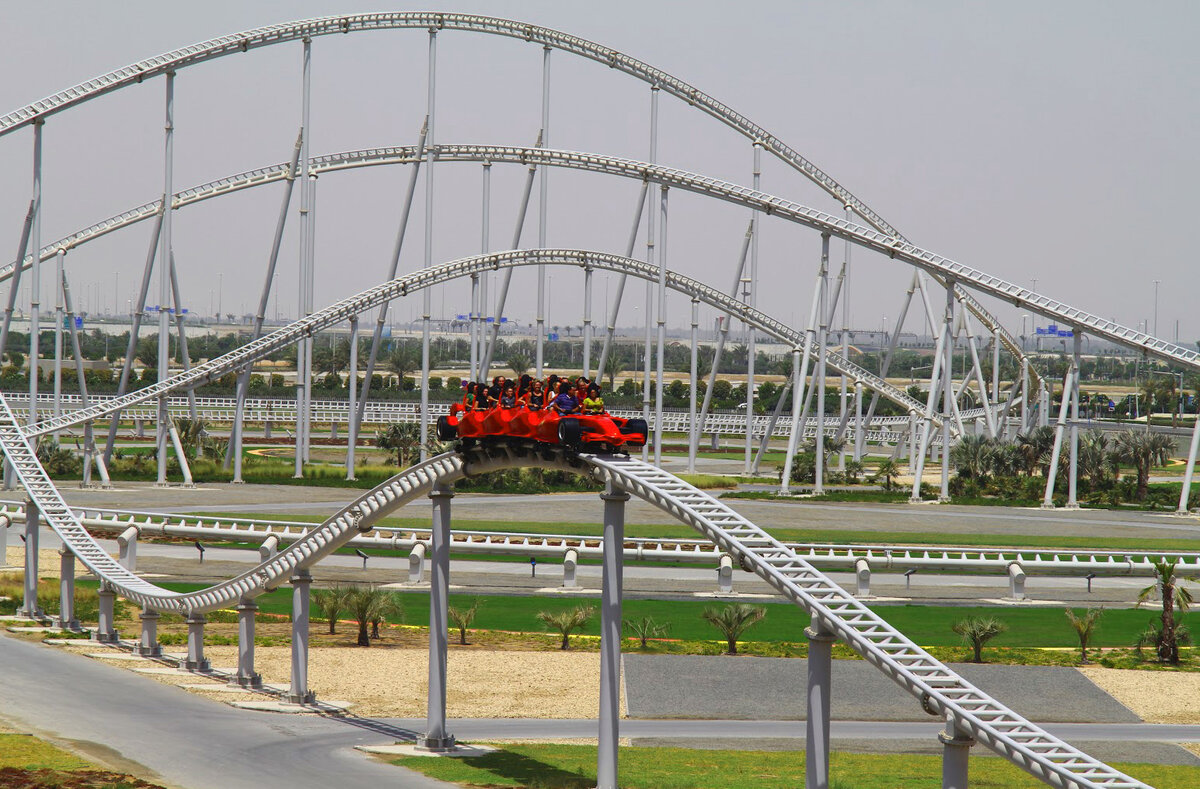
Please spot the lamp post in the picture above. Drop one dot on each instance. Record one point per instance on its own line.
(1156, 283)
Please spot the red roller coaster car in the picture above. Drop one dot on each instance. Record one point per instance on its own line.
(594, 432)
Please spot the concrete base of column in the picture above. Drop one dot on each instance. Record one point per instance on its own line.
(1048, 506)
(149, 646)
(105, 633)
(307, 698)
(436, 744)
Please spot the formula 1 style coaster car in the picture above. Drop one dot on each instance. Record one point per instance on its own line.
(597, 433)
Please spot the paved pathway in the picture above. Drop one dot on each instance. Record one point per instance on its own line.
(180, 738)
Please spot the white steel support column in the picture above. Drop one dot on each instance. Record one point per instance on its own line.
(956, 753)
(822, 340)
(615, 308)
(89, 436)
(195, 660)
(148, 645)
(650, 238)
(164, 277)
(726, 319)
(610, 635)
(799, 372)
(246, 677)
(859, 435)
(436, 738)
(751, 295)
(310, 286)
(352, 387)
(661, 318)
(35, 273)
(587, 324)
(843, 382)
(995, 367)
(29, 605)
(58, 334)
(693, 381)
(485, 223)
(106, 632)
(298, 692)
(927, 424)
(820, 676)
(1024, 394)
(1190, 472)
(1060, 428)
(893, 342)
(543, 195)
(381, 318)
(948, 399)
(1073, 478)
(427, 293)
(66, 590)
(305, 196)
(236, 434)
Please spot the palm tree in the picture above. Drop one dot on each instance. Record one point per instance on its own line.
(191, 434)
(613, 365)
(369, 604)
(971, 456)
(400, 438)
(329, 604)
(519, 363)
(1036, 447)
(402, 360)
(1097, 463)
(977, 631)
(1084, 627)
(888, 469)
(1174, 596)
(462, 619)
(646, 628)
(567, 622)
(733, 620)
(1143, 450)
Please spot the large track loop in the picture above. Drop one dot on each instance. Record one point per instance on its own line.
(940, 689)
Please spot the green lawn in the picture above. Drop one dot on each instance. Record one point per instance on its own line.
(926, 625)
(574, 767)
(835, 536)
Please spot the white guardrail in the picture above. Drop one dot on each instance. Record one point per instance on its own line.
(883, 429)
(878, 558)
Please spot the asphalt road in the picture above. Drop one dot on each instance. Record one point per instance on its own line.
(171, 736)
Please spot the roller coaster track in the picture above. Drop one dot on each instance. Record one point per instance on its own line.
(548, 37)
(410, 283)
(941, 691)
(891, 246)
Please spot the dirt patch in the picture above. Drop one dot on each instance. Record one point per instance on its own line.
(1154, 696)
(393, 682)
(48, 562)
(75, 779)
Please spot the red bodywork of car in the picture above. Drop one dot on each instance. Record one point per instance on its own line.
(599, 431)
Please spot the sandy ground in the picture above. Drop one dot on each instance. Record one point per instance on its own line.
(1154, 696)
(48, 562)
(383, 682)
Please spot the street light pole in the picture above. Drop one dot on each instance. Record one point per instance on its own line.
(1156, 283)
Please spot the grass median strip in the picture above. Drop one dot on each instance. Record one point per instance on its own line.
(26, 761)
(574, 767)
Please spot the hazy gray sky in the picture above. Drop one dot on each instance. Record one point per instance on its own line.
(1053, 141)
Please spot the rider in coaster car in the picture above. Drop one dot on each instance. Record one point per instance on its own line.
(565, 403)
(494, 392)
(535, 399)
(593, 404)
(509, 397)
(468, 401)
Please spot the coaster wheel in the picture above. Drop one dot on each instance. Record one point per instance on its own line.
(570, 432)
(445, 430)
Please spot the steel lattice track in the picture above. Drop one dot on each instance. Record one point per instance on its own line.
(940, 689)
(280, 33)
(936, 265)
(410, 283)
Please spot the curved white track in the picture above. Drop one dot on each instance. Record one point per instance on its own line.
(544, 36)
(424, 278)
(940, 690)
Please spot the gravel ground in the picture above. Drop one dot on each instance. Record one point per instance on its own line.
(1156, 696)
(393, 683)
(749, 688)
